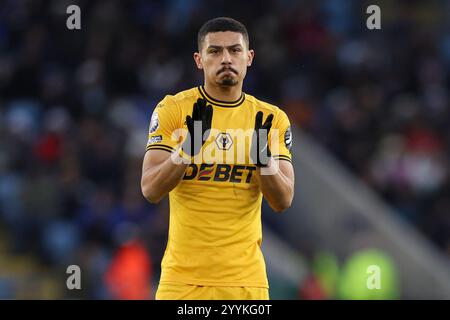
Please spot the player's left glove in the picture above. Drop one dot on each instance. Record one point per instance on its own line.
(260, 151)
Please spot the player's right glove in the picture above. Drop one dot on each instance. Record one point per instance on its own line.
(260, 152)
(197, 125)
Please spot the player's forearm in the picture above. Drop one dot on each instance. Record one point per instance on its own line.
(160, 180)
(277, 188)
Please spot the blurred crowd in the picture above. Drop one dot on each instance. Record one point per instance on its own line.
(75, 107)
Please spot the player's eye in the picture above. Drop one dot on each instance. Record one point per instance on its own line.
(237, 50)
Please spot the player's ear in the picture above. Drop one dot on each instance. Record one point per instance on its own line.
(198, 60)
(251, 55)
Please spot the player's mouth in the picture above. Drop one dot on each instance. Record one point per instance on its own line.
(227, 70)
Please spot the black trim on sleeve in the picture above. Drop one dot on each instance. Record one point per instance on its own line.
(288, 160)
(282, 157)
(160, 147)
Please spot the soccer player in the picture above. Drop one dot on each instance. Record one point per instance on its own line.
(215, 178)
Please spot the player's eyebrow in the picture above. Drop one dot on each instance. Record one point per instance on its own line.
(221, 47)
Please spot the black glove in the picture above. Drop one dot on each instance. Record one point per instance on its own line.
(201, 113)
(260, 152)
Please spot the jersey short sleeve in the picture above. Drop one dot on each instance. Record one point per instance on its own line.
(165, 120)
(282, 128)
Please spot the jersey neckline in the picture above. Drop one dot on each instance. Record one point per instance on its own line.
(219, 103)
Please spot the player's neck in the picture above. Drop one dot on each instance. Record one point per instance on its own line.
(228, 94)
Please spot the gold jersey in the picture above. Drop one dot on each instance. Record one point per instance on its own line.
(215, 231)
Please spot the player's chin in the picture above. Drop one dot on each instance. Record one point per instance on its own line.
(228, 81)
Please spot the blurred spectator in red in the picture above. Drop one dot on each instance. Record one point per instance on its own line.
(321, 283)
(129, 274)
(311, 289)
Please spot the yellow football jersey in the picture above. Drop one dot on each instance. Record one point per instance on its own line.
(215, 231)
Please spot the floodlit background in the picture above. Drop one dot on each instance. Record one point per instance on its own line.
(369, 109)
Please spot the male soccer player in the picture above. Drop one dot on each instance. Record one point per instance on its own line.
(215, 176)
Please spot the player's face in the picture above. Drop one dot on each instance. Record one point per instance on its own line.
(224, 58)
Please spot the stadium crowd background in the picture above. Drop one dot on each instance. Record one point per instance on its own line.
(75, 108)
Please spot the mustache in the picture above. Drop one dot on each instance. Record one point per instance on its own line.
(226, 69)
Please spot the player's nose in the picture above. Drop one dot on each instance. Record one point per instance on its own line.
(226, 57)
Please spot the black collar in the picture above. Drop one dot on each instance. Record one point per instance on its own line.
(219, 103)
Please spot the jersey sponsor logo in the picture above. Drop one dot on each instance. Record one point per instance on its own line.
(154, 139)
(220, 173)
(288, 138)
(154, 122)
(231, 146)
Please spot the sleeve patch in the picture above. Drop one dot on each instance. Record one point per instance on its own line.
(154, 123)
(288, 138)
(155, 139)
